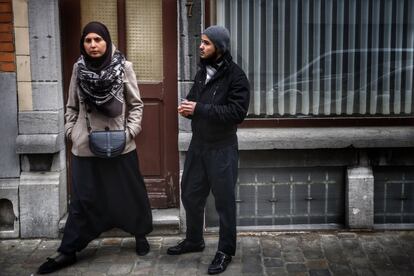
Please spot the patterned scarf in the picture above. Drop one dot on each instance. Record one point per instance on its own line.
(103, 89)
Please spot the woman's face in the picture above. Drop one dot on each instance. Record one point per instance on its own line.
(95, 45)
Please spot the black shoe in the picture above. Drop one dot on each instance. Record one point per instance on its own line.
(142, 246)
(219, 263)
(56, 263)
(186, 246)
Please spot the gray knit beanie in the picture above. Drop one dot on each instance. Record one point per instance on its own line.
(220, 36)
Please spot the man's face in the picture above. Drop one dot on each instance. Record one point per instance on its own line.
(95, 45)
(207, 48)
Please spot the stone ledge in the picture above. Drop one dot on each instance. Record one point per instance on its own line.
(317, 138)
(39, 143)
(165, 221)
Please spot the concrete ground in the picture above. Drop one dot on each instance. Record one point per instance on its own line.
(307, 253)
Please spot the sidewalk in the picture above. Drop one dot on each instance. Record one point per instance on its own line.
(308, 253)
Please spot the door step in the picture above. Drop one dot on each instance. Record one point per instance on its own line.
(165, 222)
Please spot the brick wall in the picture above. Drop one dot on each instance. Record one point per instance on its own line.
(7, 56)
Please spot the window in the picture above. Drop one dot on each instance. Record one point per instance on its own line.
(143, 27)
(323, 59)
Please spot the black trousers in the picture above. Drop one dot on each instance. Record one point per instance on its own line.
(212, 169)
(106, 193)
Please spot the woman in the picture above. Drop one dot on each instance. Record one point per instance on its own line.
(106, 192)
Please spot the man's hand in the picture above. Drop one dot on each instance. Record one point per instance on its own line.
(186, 108)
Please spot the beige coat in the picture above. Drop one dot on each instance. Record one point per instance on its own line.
(76, 128)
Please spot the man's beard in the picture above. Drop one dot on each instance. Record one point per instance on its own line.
(212, 60)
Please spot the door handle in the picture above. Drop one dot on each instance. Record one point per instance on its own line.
(309, 198)
(272, 200)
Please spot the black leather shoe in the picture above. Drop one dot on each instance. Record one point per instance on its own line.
(186, 246)
(142, 246)
(219, 263)
(56, 263)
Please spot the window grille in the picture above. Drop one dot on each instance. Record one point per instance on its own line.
(287, 196)
(393, 195)
(323, 58)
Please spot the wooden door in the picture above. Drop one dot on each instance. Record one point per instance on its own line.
(152, 47)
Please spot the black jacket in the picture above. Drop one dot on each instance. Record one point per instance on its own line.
(222, 103)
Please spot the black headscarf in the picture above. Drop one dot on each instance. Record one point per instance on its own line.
(101, 79)
(97, 64)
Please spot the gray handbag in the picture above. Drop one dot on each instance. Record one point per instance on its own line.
(106, 143)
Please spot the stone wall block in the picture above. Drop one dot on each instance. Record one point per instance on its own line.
(42, 203)
(59, 161)
(45, 40)
(189, 39)
(9, 190)
(184, 124)
(360, 197)
(47, 96)
(9, 160)
(41, 122)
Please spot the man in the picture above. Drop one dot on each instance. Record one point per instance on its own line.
(217, 102)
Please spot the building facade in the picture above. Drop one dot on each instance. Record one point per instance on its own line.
(328, 142)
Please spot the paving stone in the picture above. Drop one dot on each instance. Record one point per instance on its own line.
(290, 243)
(296, 267)
(251, 264)
(340, 269)
(380, 261)
(333, 250)
(273, 262)
(120, 269)
(250, 246)
(293, 256)
(273, 271)
(271, 248)
(49, 244)
(93, 273)
(387, 273)
(372, 247)
(352, 247)
(317, 264)
(359, 262)
(313, 253)
(319, 272)
(364, 272)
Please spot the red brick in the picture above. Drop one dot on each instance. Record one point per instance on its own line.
(8, 57)
(5, 17)
(5, 37)
(6, 47)
(7, 67)
(5, 7)
(6, 28)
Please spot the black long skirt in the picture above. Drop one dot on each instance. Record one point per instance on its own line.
(106, 193)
